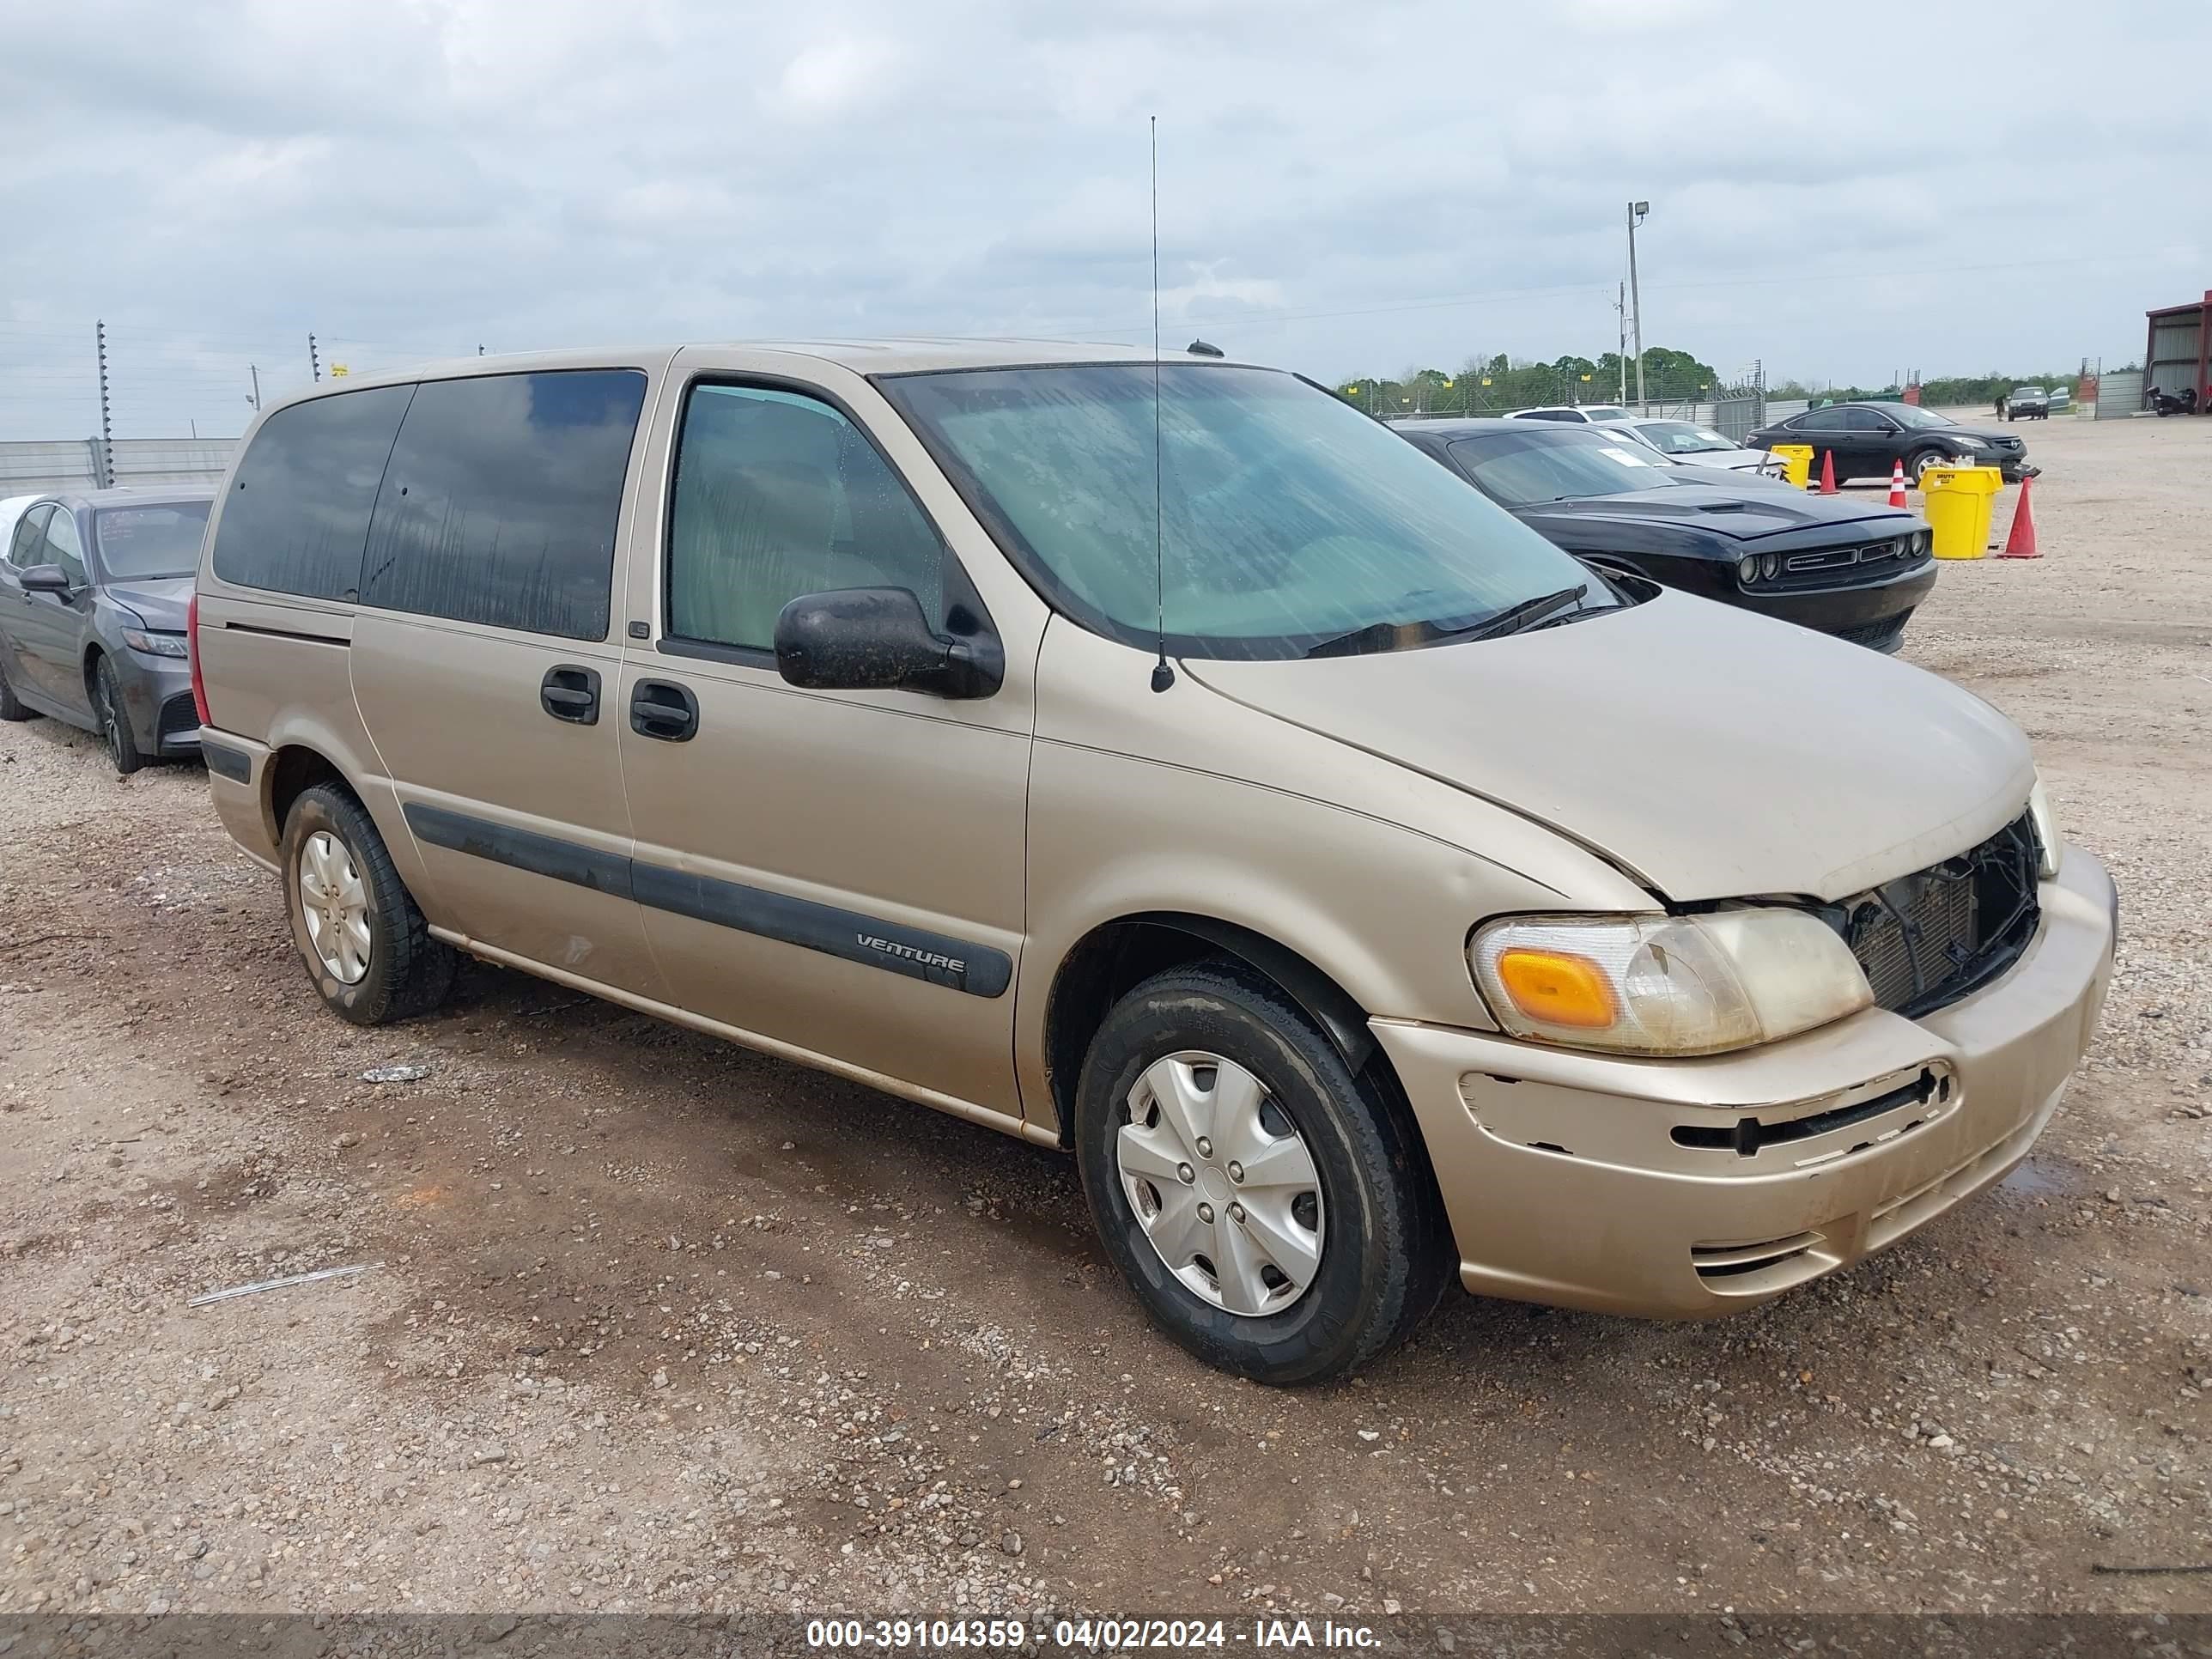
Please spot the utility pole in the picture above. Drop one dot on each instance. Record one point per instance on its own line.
(315, 363)
(107, 431)
(1636, 210)
(254, 369)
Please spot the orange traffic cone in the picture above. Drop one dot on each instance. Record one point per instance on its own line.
(1828, 472)
(1897, 483)
(2020, 540)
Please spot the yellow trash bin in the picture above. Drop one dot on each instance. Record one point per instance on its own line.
(1957, 501)
(1796, 462)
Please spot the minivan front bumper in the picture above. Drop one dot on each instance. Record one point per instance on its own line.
(1685, 1188)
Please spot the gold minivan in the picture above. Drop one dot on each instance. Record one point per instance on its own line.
(1152, 756)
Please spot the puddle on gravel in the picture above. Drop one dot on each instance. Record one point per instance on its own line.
(2036, 1179)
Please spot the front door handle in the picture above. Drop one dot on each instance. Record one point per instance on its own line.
(571, 694)
(664, 709)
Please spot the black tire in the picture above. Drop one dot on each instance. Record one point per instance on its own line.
(408, 972)
(115, 734)
(1385, 1254)
(1919, 464)
(12, 708)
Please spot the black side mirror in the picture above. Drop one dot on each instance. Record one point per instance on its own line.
(876, 639)
(47, 578)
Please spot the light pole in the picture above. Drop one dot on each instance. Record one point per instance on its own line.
(1636, 210)
(1620, 357)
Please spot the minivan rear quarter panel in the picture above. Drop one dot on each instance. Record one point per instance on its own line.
(279, 672)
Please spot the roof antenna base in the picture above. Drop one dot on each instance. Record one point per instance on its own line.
(1163, 676)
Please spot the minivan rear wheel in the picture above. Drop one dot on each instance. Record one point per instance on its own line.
(1267, 1205)
(365, 943)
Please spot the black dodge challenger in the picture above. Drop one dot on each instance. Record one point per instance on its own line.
(1847, 567)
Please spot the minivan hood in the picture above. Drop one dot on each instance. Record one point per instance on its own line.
(1710, 752)
(1745, 511)
(160, 604)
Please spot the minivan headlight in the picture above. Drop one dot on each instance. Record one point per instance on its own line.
(2047, 839)
(1666, 985)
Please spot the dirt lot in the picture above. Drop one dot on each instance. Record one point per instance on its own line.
(660, 1324)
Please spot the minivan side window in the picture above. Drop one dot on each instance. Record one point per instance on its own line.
(500, 501)
(777, 494)
(295, 517)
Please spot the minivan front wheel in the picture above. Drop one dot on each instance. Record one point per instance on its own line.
(1266, 1204)
(360, 934)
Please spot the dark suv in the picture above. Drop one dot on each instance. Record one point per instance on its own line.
(1868, 439)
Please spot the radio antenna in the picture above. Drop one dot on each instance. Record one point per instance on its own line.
(1163, 675)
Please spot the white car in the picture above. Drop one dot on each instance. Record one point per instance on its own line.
(10, 510)
(1582, 414)
(1692, 445)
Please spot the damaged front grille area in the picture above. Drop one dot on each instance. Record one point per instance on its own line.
(1929, 939)
(1748, 1136)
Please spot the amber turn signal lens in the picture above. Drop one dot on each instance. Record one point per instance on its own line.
(1558, 988)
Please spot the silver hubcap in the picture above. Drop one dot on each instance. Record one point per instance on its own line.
(334, 905)
(1222, 1184)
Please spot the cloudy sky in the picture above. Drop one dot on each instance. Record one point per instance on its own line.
(1348, 187)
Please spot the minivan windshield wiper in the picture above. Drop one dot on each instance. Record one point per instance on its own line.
(1514, 618)
(1380, 636)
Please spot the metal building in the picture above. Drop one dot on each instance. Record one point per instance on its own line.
(2178, 352)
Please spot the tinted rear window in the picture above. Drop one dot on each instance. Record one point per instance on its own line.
(295, 517)
(500, 503)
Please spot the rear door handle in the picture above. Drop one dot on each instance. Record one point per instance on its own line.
(571, 693)
(665, 710)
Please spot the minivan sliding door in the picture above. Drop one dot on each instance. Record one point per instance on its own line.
(484, 666)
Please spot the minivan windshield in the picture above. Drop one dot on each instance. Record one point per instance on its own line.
(147, 544)
(1521, 468)
(1286, 520)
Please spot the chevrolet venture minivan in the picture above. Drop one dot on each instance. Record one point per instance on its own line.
(1159, 759)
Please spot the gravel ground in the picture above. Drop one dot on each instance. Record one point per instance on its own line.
(655, 1323)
